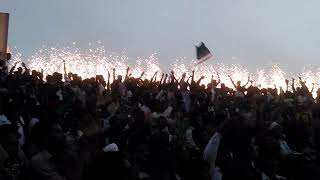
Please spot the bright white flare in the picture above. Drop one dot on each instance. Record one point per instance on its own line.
(97, 61)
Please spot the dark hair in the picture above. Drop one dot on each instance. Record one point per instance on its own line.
(7, 129)
(41, 131)
(138, 116)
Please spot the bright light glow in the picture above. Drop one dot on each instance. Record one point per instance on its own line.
(98, 61)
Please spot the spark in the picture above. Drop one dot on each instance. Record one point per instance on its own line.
(98, 61)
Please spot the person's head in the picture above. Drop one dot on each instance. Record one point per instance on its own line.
(223, 86)
(49, 79)
(115, 122)
(19, 70)
(49, 135)
(13, 114)
(69, 75)
(202, 87)
(238, 83)
(9, 139)
(27, 72)
(162, 122)
(298, 89)
(318, 92)
(2, 63)
(316, 112)
(214, 83)
(119, 78)
(57, 77)
(276, 129)
(34, 73)
(138, 117)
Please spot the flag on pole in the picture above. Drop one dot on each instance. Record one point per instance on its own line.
(4, 23)
(203, 53)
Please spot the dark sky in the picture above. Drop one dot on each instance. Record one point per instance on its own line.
(256, 33)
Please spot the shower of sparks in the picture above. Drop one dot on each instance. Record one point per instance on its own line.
(277, 76)
(261, 79)
(98, 61)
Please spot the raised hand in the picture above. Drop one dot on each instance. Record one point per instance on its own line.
(142, 74)
(183, 75)
(127, 71)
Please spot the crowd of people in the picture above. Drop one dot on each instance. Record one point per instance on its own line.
(69, 128)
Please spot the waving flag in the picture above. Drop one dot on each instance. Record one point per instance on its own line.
(203, 53)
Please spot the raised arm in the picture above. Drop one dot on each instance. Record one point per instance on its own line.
(162, 76)
(165, 79)
(303, 83)
(247, 82)
(281, 91)
(292, 85)
(13, 67)
(287, 85)
(114, 73)
(141, 75)
(24, 66)
(41, 75)
(127, 71)
(182, 78)
(251, 82)
(64, 68)
(127, 74)
(192, 77)
(300, 80)
(219, 80)
(154, 77)
(211, 81)
(65, 75)
(188, 81)
(259, 86)
(232, 81)
(312, 88)
(172, 77)
(198, 82)
(108, 82)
